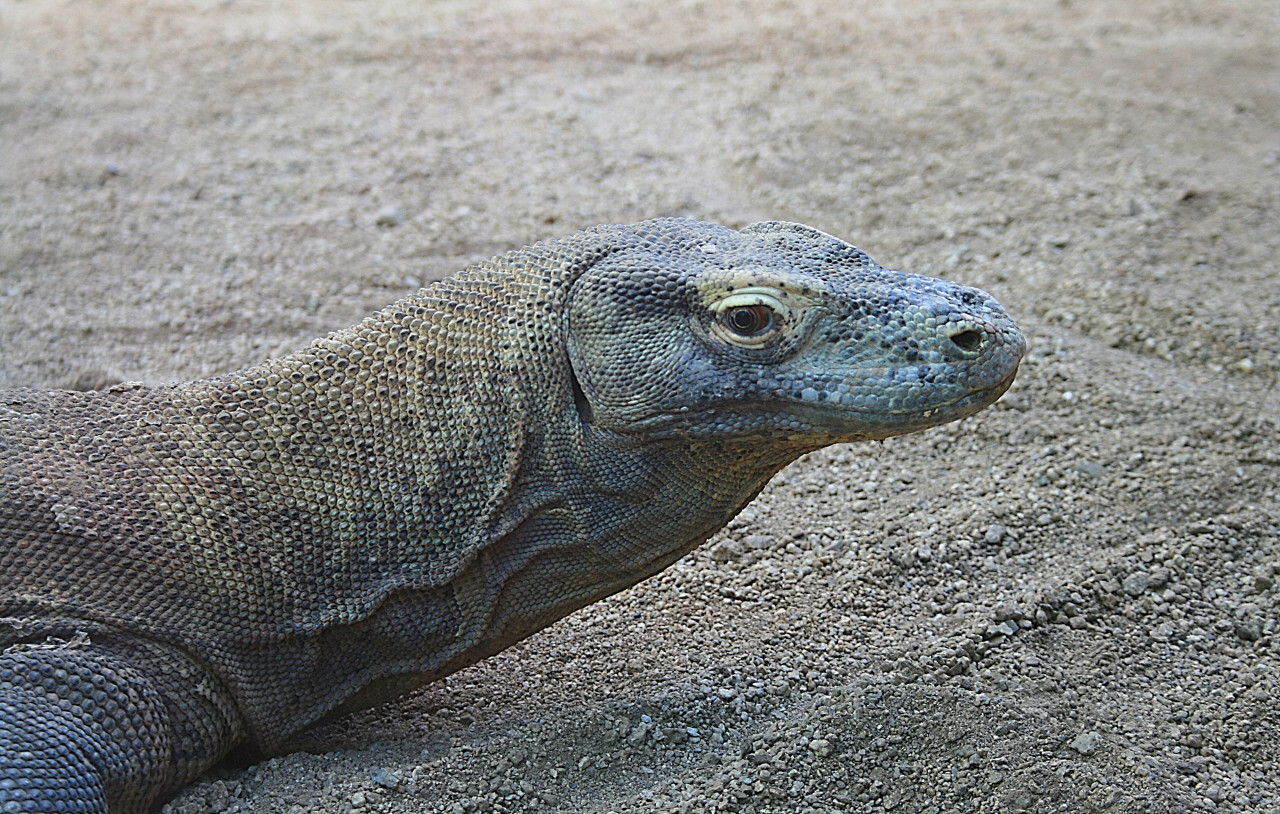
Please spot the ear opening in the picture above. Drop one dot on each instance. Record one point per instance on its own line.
(580, 402)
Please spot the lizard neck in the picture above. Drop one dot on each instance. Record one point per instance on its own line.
(620, 512)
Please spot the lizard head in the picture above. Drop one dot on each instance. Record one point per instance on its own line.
(777, 331)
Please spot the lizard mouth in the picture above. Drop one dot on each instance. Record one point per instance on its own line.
(823, 420)
(869, 423)
(974, 400)
(975, 397)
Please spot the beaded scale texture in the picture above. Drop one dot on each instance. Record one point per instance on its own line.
(190, 567)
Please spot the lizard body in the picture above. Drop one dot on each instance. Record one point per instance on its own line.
(194, 566)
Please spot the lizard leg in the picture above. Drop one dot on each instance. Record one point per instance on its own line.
(80, 731)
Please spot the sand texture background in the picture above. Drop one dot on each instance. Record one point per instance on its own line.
(1066, 603)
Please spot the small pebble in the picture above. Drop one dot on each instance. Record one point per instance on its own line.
(389, 217)
(386, 778)
(1086, 743)
(821, 747)
(726, 549)
(1136, 583)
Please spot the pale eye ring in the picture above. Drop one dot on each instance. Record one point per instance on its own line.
(748, 320)
(752, 317)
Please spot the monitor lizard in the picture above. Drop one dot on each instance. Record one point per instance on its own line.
(191, 567)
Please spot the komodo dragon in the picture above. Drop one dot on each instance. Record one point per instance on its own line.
(195, 566)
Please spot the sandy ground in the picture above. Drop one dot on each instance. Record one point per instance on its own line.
(1067, 603)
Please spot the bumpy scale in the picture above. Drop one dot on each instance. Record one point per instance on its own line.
(190, 567)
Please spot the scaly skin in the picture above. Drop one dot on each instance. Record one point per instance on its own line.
(189, 567)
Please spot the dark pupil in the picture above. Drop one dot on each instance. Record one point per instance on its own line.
(748, 320)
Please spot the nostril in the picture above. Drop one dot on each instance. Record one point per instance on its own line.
(969, 340)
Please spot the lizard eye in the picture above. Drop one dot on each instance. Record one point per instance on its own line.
(748, 320)
(751, 317)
